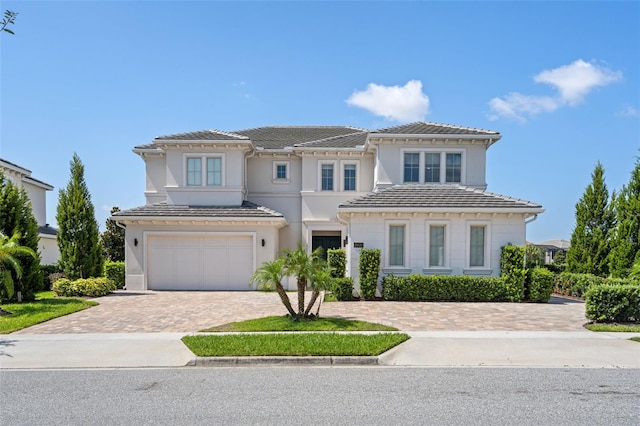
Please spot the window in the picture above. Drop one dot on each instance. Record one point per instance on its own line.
(349, 177)
(436, 245)
(212, 167)
(396, 245)
(411, 167)
(194, 171)
(477, 245)
(281, 171)
(454, 167)
(432, 167)
(327, 177)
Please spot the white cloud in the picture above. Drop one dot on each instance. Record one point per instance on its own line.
(398, 103)
(573, 83)
(629, 111)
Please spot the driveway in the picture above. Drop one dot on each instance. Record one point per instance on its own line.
(188, 311)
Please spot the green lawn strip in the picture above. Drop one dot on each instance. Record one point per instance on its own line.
(636, 339)
(45, 307)
(621, 328)
(293, 344)
(285, 323)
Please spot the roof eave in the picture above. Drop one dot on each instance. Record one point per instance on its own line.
(485, 210)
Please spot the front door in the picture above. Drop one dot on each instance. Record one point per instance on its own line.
(326, 242)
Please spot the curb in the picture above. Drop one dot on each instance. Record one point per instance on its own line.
(233, 361)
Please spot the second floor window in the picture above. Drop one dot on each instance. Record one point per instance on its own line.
(350, 177)
(327, 177)
(194, 171)
(281, 171)
(454, 167)
(412, 167)
(432, 167)
(212, 175)
(214, 171)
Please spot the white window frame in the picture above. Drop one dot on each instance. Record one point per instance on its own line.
(275, 178)
(203, 169)
(333, 163)
(344, 163)
(487, 244)
(443, 163)
(387, 245)
(447, 244)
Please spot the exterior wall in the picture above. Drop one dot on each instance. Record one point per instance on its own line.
(48, 249)
(372, 231)
(135, 255)
(390, 160)
(156, 179)
(38, 198)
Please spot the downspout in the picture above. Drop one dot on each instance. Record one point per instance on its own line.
(526, 222)
(246, 173)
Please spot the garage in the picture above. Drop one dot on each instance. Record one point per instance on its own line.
(200, 262)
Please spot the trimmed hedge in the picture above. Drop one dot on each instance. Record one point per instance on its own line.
(84, 287)
(444, 288)
(511, 269)
(115, 272)
(540, 285)
(569, 284)
(337, 260)
(343, 288)
(369, 272)
(613, 303)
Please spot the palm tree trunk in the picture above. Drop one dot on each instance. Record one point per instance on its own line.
(314, 297)
(302, 286)
(285, 299)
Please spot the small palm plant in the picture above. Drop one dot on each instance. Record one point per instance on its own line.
(271, 274)
(9, 265)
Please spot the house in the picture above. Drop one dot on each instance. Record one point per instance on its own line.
(552, 248)
(219, 203)
(37, 193)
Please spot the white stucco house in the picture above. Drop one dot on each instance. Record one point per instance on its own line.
(37, 193)
(220, 203)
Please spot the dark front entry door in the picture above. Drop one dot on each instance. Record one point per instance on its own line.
(326, 242)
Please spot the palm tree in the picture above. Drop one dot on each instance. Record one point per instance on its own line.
(321, 279)
(303, 265)
(9, 249)
(271, 273)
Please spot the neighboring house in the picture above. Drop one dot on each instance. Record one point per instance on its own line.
(552, 247)
(221, 203)
(37, 193)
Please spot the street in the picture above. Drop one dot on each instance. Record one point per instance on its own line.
(291, 395)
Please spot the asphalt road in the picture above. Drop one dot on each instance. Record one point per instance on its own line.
(308, 395)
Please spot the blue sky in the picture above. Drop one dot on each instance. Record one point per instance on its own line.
(559, 81)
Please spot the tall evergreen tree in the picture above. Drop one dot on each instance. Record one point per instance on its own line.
(78, 234)
(595, 220)
(16, 216)
(626, 236)
(113, 240)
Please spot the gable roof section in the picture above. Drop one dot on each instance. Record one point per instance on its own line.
(437, 197)
(202, 135)
(280, 137)
(430, 128)
(247, 210)
(347, 141)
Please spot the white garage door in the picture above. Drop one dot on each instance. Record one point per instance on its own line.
(211, 262)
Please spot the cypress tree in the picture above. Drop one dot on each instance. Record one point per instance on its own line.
(78, 234)
(113, 240)
(626, 236)
(16, 215)
(595, 219)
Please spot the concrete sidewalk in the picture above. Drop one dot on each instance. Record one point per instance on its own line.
(581, 349)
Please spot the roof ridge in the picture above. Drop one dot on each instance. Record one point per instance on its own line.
(306, 126)
(330, 138)
(434, 123)
(222, 132)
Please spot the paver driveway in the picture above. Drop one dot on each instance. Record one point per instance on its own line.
(188, 311)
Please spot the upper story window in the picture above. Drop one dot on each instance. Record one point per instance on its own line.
(432, 167)
(349, 173)
(212, 167)
(326, 177)
(281, 172)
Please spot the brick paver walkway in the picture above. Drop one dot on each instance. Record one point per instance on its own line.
(169, 311)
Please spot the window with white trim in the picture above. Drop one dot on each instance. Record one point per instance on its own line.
(212, 167)
(281, 171)
(454, 167)
(433, 166)
(326, 176)
(436, 246)
(396, 245)
(349, 177)
(411, 167)
(477, 245)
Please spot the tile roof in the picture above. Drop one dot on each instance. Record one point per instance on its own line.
(346, 141)
(47, 230)
(202, 135)
(428, 196)
(429, 128)
(246, 210)
(279, 137)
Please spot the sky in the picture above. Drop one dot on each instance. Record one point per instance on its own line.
(559, 80)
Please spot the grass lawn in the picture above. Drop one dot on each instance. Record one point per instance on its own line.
(623, 328)
(636, 339)
(46, 306)
(293, 344)
(285, 323)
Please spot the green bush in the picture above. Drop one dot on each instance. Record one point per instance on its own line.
(343, 288)
(613, 303)
(570, 284)
(47, 272)
(115, 272)
(444, 288)
(337, 260)
(84, 287)
(369, 272)
(540, 285)
(511, 269)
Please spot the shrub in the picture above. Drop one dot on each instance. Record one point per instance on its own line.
(570, 284)
(47, 272)
(444, 288)
(83, 287)
(337, 260)
(369, 271)
(511, 269)
(613, 303)
(115, 271)
(343, 288)
(540, 285)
